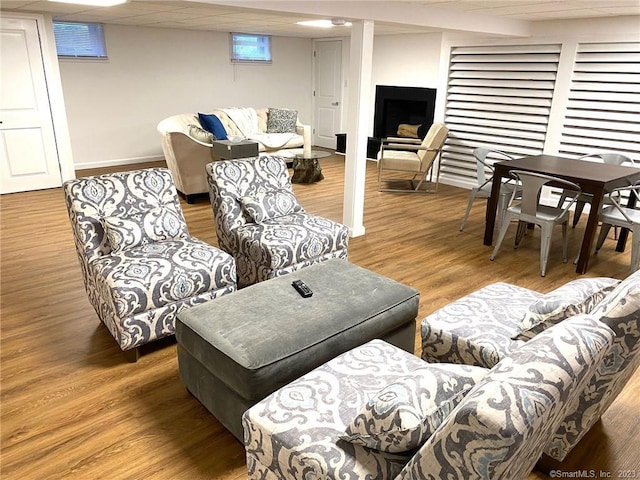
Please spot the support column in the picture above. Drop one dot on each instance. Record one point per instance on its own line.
(358, 122)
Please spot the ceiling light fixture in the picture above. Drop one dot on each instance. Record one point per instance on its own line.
(335, 22)
(93, 3)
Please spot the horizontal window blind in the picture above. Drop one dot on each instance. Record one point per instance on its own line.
(497, 97)
(80, 40)
(603, 106)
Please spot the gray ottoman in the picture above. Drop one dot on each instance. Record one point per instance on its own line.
(239, 348)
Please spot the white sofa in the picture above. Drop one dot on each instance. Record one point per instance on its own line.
(187, 148)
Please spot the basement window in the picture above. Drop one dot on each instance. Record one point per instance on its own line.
(250, 48)
(80, 40)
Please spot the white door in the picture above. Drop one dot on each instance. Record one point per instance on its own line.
(28, 154)
(327, 92)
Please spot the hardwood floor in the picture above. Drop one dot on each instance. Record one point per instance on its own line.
(73, 408)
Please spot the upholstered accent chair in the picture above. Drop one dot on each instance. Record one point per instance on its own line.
(139, 264)
(260, 222)
(493, 323)
(401, 157)
(379, 413)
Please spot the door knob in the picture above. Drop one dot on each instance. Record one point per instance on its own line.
(335, 104)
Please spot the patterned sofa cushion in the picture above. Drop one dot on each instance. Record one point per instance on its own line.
(159, 223)
(402, 415)
(268, 205)
(501, 427)
(153, 275)
(572, 298)
(281, 120)
(477, 328)
(294, 432)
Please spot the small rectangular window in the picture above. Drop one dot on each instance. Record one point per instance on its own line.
(79, 40)
(250, 48)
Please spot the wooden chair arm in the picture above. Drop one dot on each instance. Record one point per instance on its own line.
(401, 140)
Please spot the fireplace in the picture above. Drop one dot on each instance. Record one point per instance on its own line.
(402, 105)
(396, 105)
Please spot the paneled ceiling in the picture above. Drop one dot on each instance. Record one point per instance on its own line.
(207, 15)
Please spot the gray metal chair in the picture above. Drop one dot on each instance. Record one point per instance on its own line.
(615, 215)
(531, 210)
(584, 198)
(485, 158)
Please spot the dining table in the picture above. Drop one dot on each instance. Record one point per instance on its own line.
(594, 178)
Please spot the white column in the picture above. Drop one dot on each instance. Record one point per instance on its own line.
(358, 121)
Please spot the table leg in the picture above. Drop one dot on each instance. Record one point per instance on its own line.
(624, 232)
(590, 231)
(492, 205)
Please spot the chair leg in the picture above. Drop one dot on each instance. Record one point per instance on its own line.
(578, 212)
(520, 233)
(604, 231)
(635, 251)
(563, 198)
(472, 198)
(132, 355)
(545, 246)
(503, 232)
(565, 257)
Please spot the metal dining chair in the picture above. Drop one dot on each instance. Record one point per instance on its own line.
(615, 215)
(485, 158)
(529, 209)
(584, 198)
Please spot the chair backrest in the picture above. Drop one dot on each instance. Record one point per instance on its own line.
(90, 199)
(483, 158)
(501, 427)
(532, 183)
(231, 180)
(620, 311)
(609, 158)
(433, 141)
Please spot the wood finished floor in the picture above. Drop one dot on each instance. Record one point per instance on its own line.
(73, 408)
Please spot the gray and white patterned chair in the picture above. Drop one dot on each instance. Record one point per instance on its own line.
(139, 264)
(421, 420)
(260, 222)
(492, 323)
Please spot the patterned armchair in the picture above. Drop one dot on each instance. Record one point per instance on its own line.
(417, 420)
(260, 222)
(139, 265)
(496, 321)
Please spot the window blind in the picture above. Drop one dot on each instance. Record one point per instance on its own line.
(497, 97)
(79, 40)
(603, 106)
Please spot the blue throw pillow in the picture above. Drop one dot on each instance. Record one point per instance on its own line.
(213, 124)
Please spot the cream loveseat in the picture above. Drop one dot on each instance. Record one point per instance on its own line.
(187, 145)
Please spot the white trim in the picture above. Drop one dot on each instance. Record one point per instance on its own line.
(118, 162)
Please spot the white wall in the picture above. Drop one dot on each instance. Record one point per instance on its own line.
(113, 106)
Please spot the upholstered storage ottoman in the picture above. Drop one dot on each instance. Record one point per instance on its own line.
(236, 350)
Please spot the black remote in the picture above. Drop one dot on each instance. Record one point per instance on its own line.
(302, 288)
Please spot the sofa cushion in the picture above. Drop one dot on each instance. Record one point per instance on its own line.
(575, 297)
(179, 269)
(200, 134)
(477, 328)
(213, 124)
(281, 120)
(159, 223)
(267, 205)
(402, 415)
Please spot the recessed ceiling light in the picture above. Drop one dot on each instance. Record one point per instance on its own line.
(93, 3)
(325, 23)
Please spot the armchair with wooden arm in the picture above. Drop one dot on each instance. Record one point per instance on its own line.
(410, 156)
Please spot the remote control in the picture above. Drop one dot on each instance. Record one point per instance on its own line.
(302, 288)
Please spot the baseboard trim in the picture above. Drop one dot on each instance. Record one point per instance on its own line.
(118, 162)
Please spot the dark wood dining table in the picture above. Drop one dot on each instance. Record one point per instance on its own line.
(593, 178)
